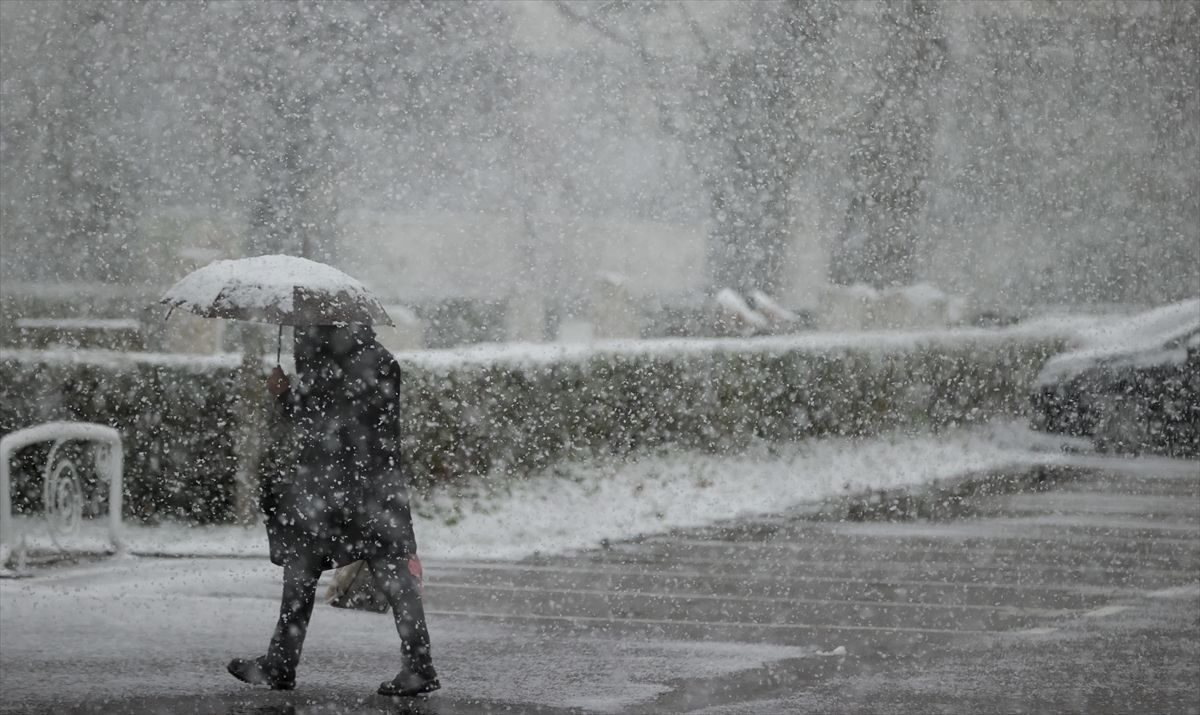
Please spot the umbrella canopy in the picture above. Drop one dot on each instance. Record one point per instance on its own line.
(283, 290)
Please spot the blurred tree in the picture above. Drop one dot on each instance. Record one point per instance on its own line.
(890, 150)
(1065, 205)
(746, 100)
(284, 86)
(70, 173)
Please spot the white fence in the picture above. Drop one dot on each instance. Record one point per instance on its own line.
(62, 487)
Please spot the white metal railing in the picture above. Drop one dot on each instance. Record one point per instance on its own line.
(62, 489)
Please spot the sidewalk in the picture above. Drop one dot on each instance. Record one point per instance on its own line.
(1065, 589)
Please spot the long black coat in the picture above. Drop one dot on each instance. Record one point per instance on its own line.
(344, 497)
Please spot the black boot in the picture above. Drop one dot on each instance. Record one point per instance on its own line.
(260, 671)
(403, 590)
(408, 683)
(277, 668)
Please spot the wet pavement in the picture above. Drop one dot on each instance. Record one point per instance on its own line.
(1048, 589)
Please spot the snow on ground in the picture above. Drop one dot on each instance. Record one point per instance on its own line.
(606, 500)
(164, 628)
(578, 505)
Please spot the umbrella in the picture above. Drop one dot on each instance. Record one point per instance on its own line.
(283, 290)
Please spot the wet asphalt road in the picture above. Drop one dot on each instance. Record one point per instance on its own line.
(1047, 590)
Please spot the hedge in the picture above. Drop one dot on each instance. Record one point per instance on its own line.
(507, 411)
(174, 416)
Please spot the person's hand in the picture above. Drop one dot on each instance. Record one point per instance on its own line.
(277, 382)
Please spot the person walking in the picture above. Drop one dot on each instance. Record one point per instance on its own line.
(345, 500)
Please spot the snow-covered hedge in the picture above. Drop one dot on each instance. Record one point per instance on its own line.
(508, 410)
(515, 408)
(174, 414)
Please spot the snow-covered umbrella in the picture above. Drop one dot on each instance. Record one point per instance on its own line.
(282, 290)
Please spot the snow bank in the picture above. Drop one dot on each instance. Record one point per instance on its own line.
(574, 506)
(578, 506)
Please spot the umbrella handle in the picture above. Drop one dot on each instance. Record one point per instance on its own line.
(279, 346)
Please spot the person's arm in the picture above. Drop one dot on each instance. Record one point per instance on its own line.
(279, 385)
(385, 410)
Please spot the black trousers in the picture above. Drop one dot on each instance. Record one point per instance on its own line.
(393, 579)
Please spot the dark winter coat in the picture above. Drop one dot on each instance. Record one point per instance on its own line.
(344, 498)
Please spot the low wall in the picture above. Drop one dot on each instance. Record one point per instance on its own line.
(503, 411)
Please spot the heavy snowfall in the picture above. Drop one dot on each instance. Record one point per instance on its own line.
(573, 356)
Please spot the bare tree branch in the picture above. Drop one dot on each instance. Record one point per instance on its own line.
(564, 7)
(697, 32)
